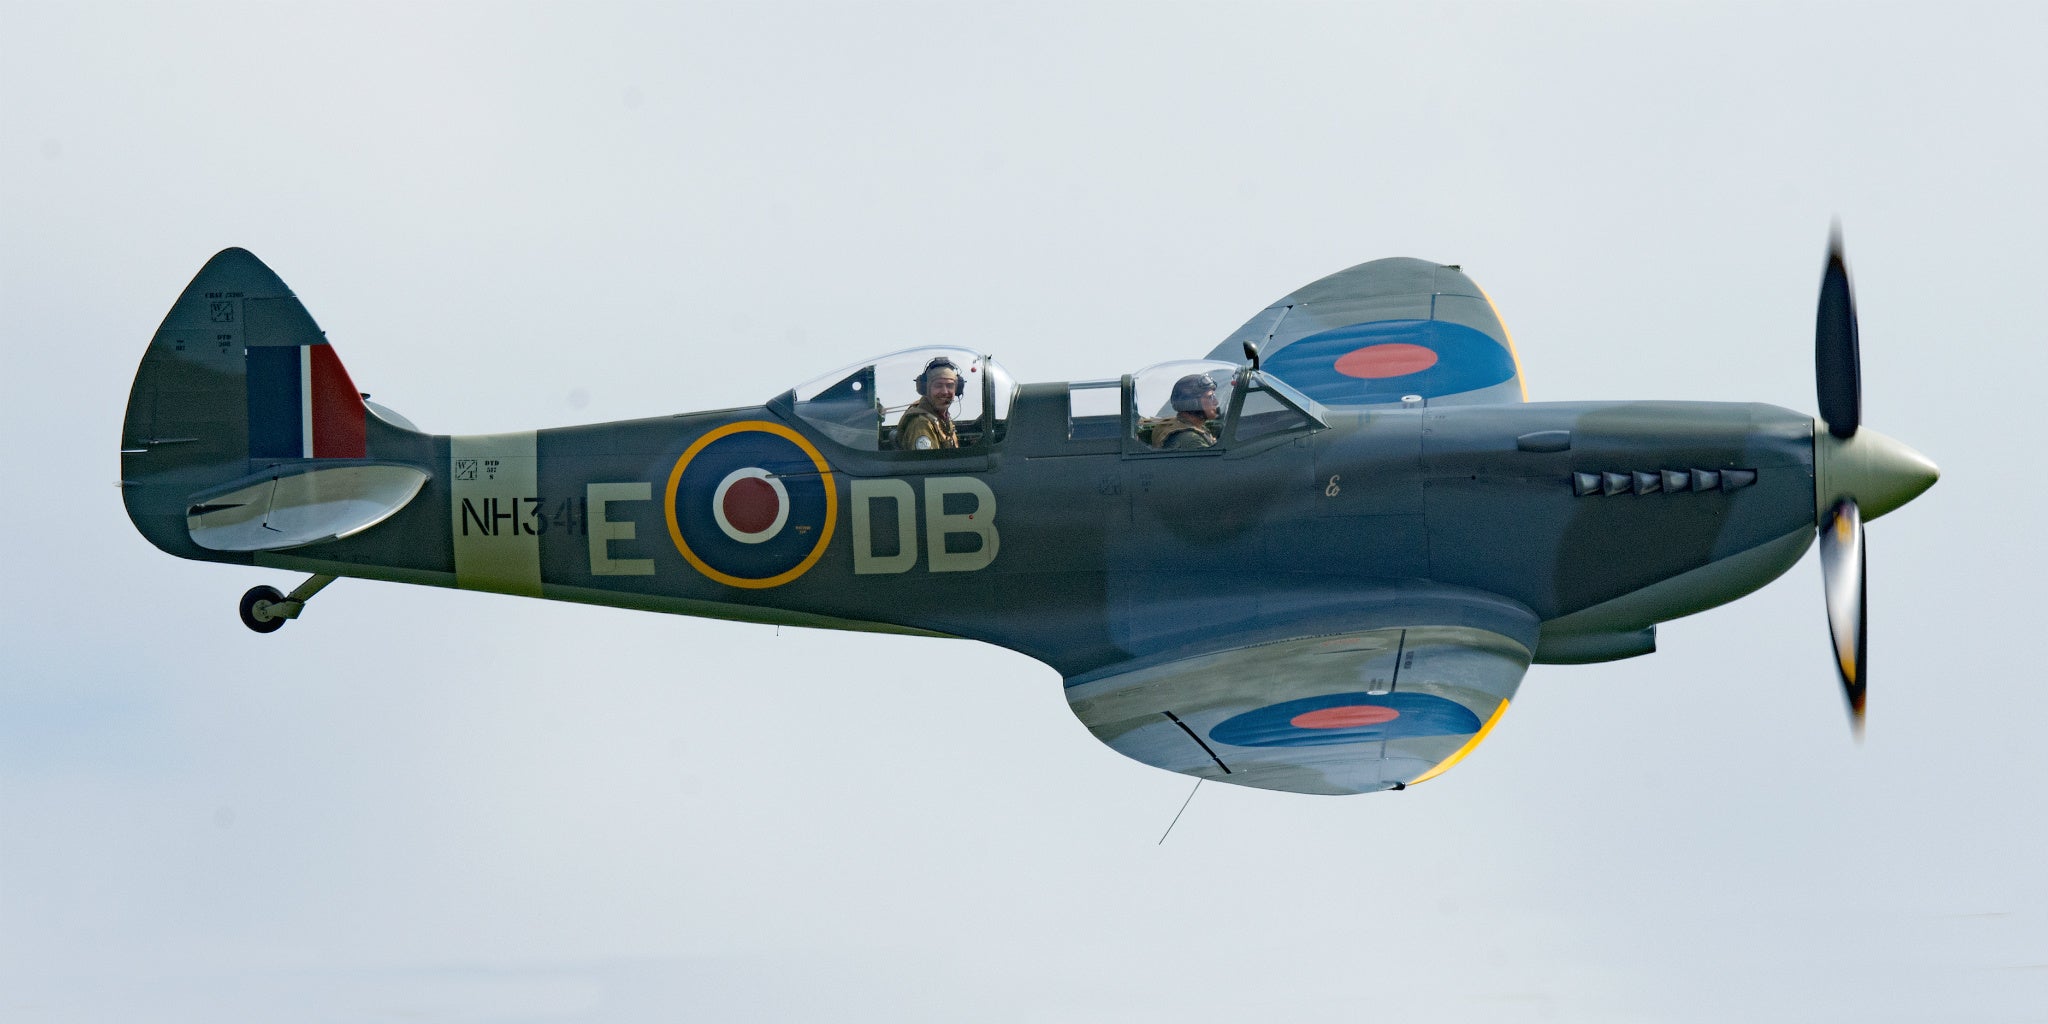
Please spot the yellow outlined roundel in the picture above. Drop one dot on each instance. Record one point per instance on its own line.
(675, 478)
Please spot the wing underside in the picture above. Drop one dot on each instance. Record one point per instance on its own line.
(1348, 713)
(1383, 331)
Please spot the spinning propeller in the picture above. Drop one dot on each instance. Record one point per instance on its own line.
(1856, 472)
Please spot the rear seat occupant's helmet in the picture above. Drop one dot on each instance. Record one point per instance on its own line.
(1188, 392)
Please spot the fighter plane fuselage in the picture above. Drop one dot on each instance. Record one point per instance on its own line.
(1091, 552)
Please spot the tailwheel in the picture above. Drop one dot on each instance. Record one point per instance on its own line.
(256, 605)
(264, 609)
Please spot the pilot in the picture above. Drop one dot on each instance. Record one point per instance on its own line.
(1195, 408)
(928, 423)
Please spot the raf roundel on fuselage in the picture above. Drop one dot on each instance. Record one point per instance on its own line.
(1383, 331)
(751, 504)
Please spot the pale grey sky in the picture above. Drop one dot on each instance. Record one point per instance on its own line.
(453, 807)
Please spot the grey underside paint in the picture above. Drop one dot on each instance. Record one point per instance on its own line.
(1168, 715)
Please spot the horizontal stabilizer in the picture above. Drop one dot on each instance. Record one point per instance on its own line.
(291, 508)
(245, 433)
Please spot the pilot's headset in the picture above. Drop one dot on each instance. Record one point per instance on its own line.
(1188, 392)
(941, 363)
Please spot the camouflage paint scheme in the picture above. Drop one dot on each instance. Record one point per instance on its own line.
(1344, 604)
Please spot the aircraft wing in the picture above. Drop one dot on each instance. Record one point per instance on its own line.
(1384, 330)
(1352, 712)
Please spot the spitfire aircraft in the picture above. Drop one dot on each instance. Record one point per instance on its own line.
(1318, 560)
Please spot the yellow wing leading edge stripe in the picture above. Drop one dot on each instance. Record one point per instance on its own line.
(1445, 765)
(1520, 380)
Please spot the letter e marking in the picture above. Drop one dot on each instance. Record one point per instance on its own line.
(603, 530)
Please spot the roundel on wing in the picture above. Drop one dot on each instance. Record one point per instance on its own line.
(751, 504)
(1384, 360)
(1346, 718)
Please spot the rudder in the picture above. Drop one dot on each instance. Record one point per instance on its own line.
(240, 387)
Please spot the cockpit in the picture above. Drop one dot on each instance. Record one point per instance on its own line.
(863, 407)
(1193, 405)
(1183, 407)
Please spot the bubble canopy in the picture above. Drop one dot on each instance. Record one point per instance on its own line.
(859, 406)
(1249, 405)
(1152, 387)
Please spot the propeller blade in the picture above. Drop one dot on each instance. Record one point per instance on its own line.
(1843, 574)
(1837, 364)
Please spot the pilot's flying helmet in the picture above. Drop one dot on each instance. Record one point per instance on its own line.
(940, 363)
(1188, 392)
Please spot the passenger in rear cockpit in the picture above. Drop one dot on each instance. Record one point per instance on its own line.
(928, 424)
(1195, 410)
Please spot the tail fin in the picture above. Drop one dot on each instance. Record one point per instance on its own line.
(236, 421)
